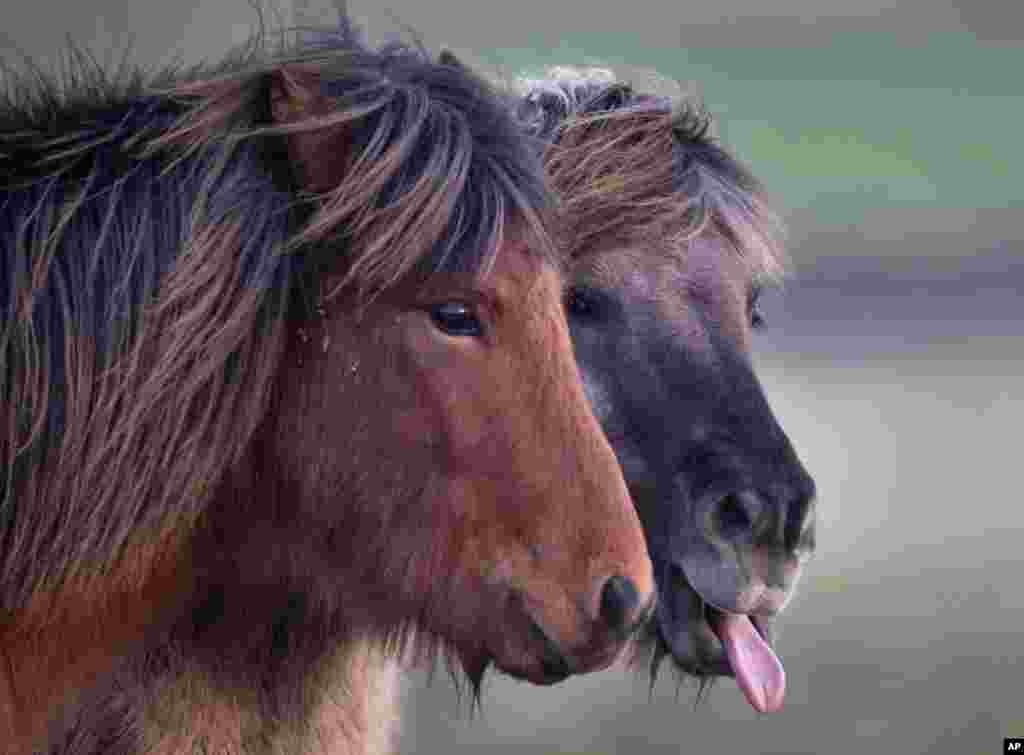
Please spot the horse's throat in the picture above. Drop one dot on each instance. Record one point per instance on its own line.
(44, 677)
(365, 721)
(10, 717)
(67, 646)
(350, 707)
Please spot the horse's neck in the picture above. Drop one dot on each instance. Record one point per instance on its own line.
(94, 688)
(254, 667)
(42, 680)
(350, 706)
(65, 647)
(360, 705)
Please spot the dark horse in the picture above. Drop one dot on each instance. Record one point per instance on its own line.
(286, 389)
(670, 241)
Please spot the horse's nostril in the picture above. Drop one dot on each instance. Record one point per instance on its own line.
(555, 666)
(732, 517)
(553, 663)
(619, 603)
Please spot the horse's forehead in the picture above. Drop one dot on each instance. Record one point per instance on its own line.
(705, 265)
(628, 268)
(712, 264)
(518, 274)
(515, 274)
(697, 283)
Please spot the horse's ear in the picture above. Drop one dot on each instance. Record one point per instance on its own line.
(317, 148)
(448, 58)
(293, 93)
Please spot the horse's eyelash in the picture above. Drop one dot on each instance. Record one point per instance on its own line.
(585, 301)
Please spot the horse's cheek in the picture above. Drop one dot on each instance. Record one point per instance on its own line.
(454, 406)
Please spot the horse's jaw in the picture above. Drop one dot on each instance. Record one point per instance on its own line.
(707, 642)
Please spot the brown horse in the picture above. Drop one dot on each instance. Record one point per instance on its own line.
(286, 390)
(670, 241)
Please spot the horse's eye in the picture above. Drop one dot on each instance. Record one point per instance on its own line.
(756, 317)
(754, 313)
(581, 303)
(456, 319)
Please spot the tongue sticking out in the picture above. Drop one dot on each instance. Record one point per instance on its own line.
(758, 670)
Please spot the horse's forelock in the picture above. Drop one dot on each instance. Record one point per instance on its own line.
(645, 167)
(750, 226)
(433, 166)
(464, 175)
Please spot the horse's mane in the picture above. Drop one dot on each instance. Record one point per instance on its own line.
(631, 166)
(156, 246)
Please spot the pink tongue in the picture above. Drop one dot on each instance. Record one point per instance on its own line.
(758, 670)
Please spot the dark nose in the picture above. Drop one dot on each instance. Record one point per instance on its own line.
(620, 607)
(782, 518)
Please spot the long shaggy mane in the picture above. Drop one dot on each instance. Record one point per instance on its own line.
(161, 235)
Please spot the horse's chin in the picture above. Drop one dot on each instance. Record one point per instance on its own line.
(475, 665)
(685, 631)
(539, 675)
(477, 659)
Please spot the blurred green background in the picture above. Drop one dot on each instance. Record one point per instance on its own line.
(897, 120)
(888, 134)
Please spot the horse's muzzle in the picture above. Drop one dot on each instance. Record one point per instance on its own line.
(597, 642)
